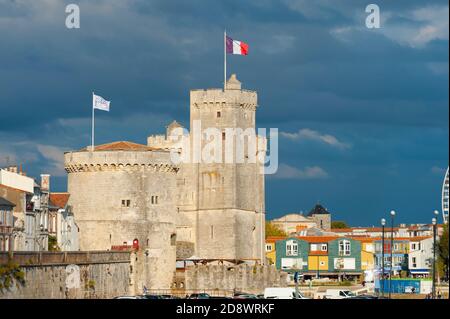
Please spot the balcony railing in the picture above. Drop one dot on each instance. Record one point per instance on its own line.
(6, 229)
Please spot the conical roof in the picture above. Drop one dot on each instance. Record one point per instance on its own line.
(318, 210)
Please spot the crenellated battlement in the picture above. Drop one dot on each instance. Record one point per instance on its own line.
(223, 98)
(83, 161)
(232, 96)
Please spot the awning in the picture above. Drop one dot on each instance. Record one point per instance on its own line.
(419, 271)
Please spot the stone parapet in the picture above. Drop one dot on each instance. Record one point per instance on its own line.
(84, 161)
(65, 258)
(211, 97)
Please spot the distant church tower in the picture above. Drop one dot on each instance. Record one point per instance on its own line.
(221, 206)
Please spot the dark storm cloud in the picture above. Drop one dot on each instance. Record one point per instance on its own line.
(314, 64)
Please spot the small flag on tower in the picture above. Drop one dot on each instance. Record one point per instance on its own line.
(100, 103)
(236, 47)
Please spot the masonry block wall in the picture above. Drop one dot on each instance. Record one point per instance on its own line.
(243, 278)
(70, 275)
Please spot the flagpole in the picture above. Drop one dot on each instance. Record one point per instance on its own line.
(225, 59)
(93, 123)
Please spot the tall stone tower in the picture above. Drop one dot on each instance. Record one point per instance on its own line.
(221, 205)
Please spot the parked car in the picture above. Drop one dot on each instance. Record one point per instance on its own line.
(339, 294)
(199, 296)
(152, 297)
(245, 296)
(128, 297)
(364, 297)
(282, 293)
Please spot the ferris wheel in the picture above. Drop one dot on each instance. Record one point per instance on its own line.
(445, 198)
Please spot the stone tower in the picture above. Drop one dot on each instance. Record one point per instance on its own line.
(123, 192)
(321, 216)
(221, 205)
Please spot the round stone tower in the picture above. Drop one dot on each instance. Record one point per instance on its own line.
(122, 194)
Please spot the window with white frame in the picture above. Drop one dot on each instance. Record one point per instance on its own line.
(291, 248)
(323, 247)
(268, 247)
(344, 248)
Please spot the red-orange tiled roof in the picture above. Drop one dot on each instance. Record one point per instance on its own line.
(318, 253)
(59, 199)
(273, 239)
(418, 238)
(123, 146)
(368, 229)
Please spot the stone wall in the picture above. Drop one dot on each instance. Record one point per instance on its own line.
(185, 249)
(242, 278)
(69, 275)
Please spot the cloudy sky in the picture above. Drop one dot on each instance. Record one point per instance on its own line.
(362, 113)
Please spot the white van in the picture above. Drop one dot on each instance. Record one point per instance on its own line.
(339, 294)
(282, 293)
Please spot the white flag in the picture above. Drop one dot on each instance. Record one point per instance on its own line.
(100, 103)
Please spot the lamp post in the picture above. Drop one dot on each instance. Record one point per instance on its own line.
(383, 223)
(392, 248)
(434, 222)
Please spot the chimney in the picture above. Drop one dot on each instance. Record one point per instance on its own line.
(12, 169)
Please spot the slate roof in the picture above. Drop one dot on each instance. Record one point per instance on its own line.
(318, 210)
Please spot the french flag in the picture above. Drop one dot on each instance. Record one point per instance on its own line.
(236, 47)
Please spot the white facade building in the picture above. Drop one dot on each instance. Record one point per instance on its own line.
(420, 256)
(64, 224)
(30, 216)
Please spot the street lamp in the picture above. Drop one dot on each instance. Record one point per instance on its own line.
(392, 246)
(383, 223)
(434, 222)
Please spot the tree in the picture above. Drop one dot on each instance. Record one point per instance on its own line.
(274, 230)
(442, 250)
(53, 244)
(338, 224)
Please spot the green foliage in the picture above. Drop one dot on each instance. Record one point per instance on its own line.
(273, 230)
(11, 273)
(338, 224)
(53, 244)
(90, 284)
(442, 248)
(403, 274)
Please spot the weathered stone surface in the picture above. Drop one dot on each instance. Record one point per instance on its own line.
(243, 278)
(120, 196)
(185, 249)
(50, 275)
